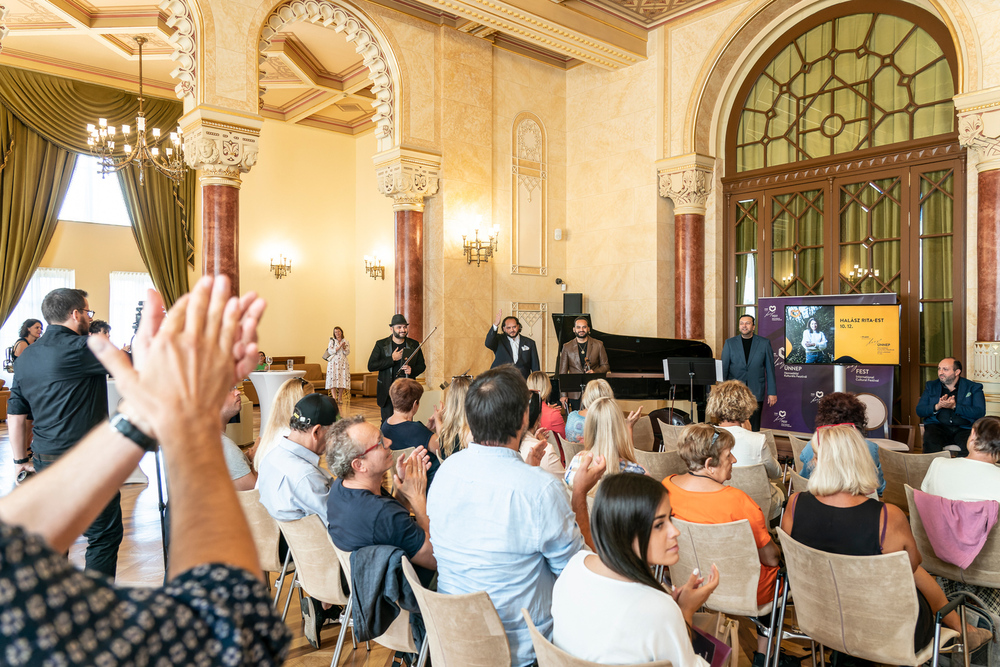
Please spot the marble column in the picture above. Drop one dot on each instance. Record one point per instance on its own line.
(409, 176)
(686, 181)
(222, 150)
(979, 131)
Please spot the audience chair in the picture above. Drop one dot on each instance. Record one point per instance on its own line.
(660, 465)
(642, 434)
(317, 566)
(669, 436)
(549, 655)
(885, 443)
(462, 630)
(864, 606)
(266, 536)
(556, 443)
(984, 571)
(569, 448)
(397, 453)
(904, 433)
(797, 445)
(397, 638)
(900, 469)
(753, 481)
(772, 446)
(798, 483)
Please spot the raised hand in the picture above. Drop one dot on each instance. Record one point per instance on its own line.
(696, 590)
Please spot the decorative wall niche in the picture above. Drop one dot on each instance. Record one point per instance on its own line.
(529, 192)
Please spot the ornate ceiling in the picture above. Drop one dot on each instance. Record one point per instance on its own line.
(649, 13)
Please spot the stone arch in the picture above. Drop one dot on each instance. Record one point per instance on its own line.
(183, 16)
(368, 41)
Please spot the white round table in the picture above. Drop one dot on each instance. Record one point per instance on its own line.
(267, 384)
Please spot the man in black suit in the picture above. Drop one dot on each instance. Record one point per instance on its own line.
(949, 406)
(749, 358)
(389, 357)
(512, 347)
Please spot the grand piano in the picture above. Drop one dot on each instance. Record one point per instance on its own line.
(637, 361)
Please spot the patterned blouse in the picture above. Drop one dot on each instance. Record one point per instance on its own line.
(53, 614)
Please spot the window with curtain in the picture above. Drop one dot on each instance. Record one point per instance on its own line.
(30, 306)
(93, 197)
(127, 290)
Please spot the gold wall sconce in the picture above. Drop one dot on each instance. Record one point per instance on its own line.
(480, 250)
(282, 268)
(374, 267)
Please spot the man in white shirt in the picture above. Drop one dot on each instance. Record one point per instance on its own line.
(243, 477)
(511, 347)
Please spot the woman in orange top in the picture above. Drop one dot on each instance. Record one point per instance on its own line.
(699, 496)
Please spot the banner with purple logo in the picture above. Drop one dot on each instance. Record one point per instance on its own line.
(800, 386)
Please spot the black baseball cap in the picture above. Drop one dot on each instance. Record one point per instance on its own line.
(315, 410)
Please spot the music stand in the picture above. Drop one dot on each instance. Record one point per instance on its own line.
(577, 380)
(696, 370)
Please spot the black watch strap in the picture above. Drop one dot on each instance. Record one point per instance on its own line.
(21, 462)
(121, 423)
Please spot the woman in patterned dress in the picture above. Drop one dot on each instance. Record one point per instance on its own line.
(338, 371)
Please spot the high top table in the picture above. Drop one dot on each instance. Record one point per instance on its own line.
(267, 384)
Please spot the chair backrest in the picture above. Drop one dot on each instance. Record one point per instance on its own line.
(984, 571)
(549, 655)
(264, 530)
(462, 629)
(905, 433)
(899, 468)
(315, 558)
(398, 637)
(670, 435)
(642, 434)
(396, 453)
(772, 446)
(731, 547)
(554, 440)
(894, 445)
(570, 448)
(661, 465)
(797, 445)
(798, 482)
(834, 604)
(752, 480)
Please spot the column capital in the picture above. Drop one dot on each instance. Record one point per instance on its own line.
(979, 125)
(222, 144)
(408, 176)
(687, 181)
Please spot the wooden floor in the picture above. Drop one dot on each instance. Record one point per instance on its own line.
(140, 559)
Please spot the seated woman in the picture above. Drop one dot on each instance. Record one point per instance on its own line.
(30, 331)
(402, 430)
(841, 408)
(837, 516)
(594, 390)
(700, 496)
(730, 405)
(641, 622)
(606, 434)
(289, 393)
(550, 460)
(449, 422)
(551, 418)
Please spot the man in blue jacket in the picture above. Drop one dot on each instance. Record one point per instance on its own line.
(749, 358)
(949, 407)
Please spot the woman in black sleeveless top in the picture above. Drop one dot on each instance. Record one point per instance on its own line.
(837, 516)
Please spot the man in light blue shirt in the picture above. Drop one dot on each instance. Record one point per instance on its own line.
(499, 525)
(292, 485)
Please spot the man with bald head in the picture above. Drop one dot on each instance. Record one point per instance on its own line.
(949, 406)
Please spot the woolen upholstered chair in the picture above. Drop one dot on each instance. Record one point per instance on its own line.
(660, 465)
(864, 606)
(798, 482)
(570, 448)
(554, 440)
(266, 534)
(669, 435)
(899, 469)
(462, 630)
(797, 445)
(549, 655)
(984, 570)
(753, 481)
(397, 453)
(642, 434)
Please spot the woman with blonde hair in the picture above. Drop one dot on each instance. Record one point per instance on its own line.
(289, 393)
(551, 418)
(594, 390)
(606, 434)
(837, 515)
(449, 423)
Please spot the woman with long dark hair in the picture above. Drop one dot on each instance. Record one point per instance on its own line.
(31, 330)
(641, 622)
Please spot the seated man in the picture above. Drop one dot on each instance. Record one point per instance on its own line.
(949, 406)
(215, 609)
(292, 485)
(361, 512)
(500, 525)
(243, 477)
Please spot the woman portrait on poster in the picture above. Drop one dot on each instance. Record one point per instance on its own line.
(813, 342)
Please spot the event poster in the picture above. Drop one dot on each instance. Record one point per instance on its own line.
(841, 334)
(801, 386)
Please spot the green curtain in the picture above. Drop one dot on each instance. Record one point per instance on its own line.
(33, 181)
(59, 110)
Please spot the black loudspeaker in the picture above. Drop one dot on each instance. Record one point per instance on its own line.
(572, 303)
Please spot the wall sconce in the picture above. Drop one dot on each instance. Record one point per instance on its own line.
(282, 268)
(478, 250)
(374, 268)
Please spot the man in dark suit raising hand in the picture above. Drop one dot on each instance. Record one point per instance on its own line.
(511, 347)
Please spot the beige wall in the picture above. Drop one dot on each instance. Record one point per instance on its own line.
(93, 251)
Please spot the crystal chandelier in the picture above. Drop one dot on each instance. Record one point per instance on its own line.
(139, 150)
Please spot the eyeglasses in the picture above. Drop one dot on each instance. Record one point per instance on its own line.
(380, 443)
(90, 313)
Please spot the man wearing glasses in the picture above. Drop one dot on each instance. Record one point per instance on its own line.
(62, 385)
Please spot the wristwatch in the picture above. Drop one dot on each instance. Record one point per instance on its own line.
(21, 462)
(121, 423)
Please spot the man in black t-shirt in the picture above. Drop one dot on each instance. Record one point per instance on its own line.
(389, 358)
